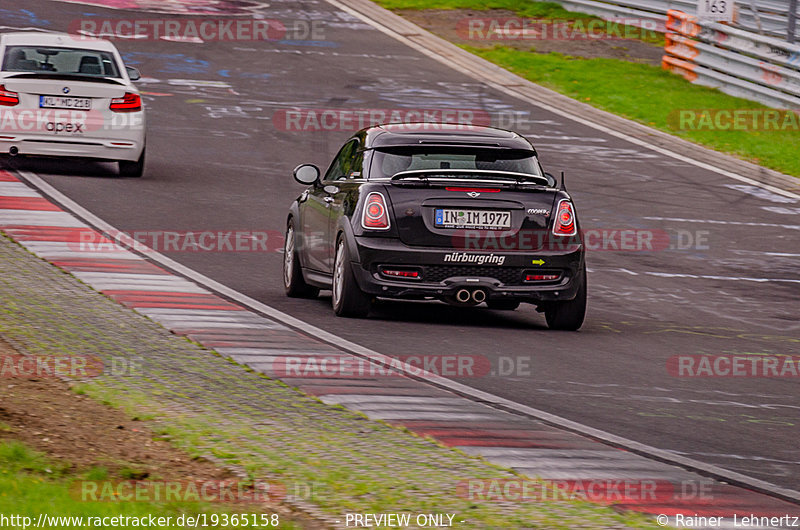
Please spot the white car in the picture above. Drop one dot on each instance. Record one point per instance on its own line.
(70, 96)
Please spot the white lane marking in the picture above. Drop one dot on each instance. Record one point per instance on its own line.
(496, 402)
(192, 40)
(535, 452)
(115, 286)
(133, 278)
(263, 350)
(630, 475)
(781, 210)
(175, 325)
(563, 137)
(65, 254)
(79, 249)
(464, 407)
(717, 222)
(724, 278)
(613, 153)
(745, 457)
(250, 319)
(427, 415)
(485, 78)
(779, 254)
(761, 193)
(28, 28)
(695, 276)
(137, 36)
(343, 399)
(188, 312)
(293, 51)
(596, 465)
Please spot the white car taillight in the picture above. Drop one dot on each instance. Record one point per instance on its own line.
(564, 224)
(130, 102)
(376, 215)
(8, 98)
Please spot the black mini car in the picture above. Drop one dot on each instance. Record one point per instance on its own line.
(457, 213)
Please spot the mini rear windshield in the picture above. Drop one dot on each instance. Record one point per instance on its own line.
(386, 163)
(53, 60)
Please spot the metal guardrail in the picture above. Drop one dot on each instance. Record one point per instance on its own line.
(775, 18)
(737, 62)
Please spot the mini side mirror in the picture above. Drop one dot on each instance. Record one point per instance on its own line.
(306, 174)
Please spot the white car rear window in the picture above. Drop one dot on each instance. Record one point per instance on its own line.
(48, 59)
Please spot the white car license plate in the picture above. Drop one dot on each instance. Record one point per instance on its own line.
(485, 219)
(60, 102)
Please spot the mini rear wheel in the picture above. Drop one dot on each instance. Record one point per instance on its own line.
(569, 314)
(293, 281)
(348, 299)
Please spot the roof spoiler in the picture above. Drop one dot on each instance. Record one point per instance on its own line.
(428, 176)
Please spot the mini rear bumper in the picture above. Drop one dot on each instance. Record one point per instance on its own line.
(444, 272)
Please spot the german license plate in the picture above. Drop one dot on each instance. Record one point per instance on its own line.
(479, 219)
(60, 102)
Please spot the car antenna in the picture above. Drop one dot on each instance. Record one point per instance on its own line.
(563, 186)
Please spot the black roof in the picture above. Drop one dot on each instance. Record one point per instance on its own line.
(424, 133)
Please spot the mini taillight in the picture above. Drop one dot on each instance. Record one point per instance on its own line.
(376, 216)
(564, 224)
(7, 97)
(396, 272)
(541, 277)
(130, 102)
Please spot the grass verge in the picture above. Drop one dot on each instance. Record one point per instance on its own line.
(32, 484)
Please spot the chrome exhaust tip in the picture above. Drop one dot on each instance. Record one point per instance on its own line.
(462, 296)
(478, 296)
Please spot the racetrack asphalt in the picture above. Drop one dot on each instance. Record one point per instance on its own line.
(220, 159)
